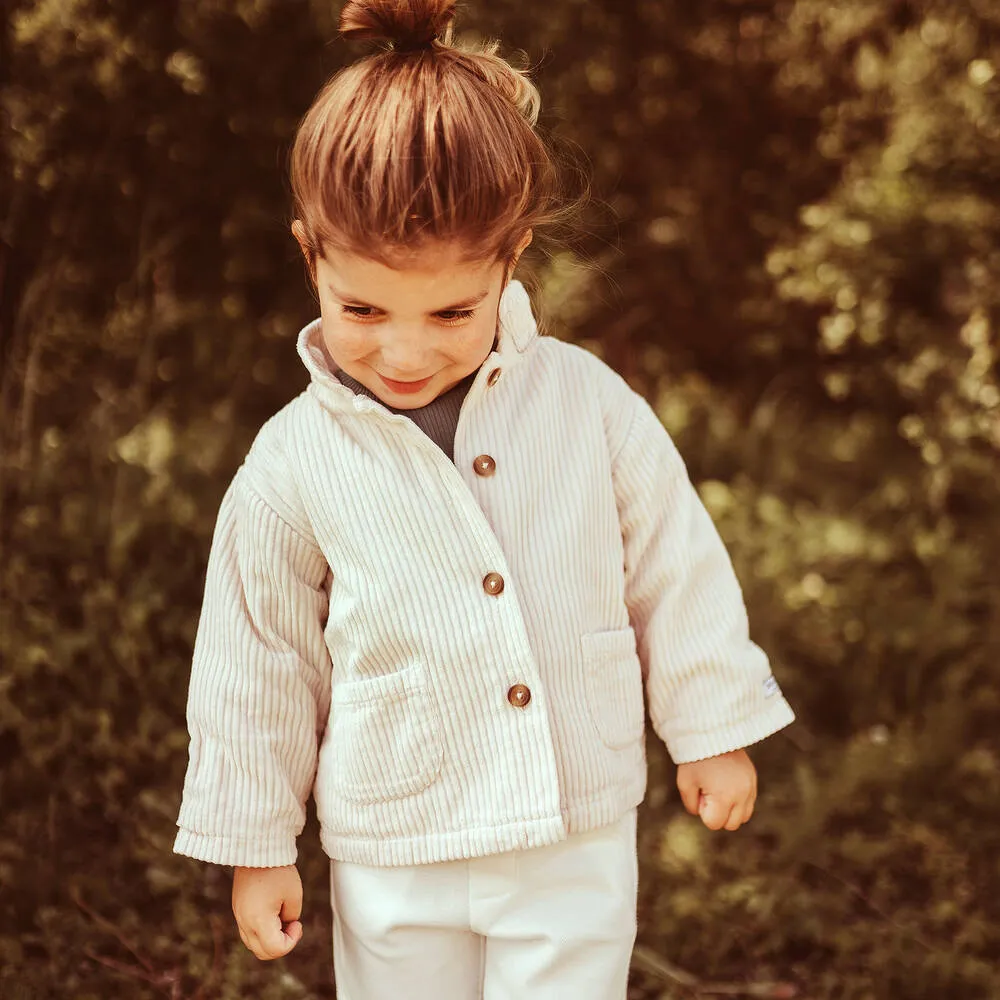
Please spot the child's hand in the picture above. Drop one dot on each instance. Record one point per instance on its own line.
(267, 904)
(721, 790)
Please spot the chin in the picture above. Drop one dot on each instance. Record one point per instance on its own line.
(409, 402)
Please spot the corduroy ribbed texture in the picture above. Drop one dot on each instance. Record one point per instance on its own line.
(355, 638)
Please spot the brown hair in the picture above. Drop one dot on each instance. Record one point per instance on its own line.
(421, 141)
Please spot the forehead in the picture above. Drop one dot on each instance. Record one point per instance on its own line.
(430, 271)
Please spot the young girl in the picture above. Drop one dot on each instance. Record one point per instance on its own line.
(450, 576)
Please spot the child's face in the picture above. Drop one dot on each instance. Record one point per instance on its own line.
(409, 334)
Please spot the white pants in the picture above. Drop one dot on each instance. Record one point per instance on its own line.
(552, 923)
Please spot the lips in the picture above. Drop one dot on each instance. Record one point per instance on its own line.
(405, 387)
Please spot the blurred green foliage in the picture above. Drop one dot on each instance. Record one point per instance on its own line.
(805, 278)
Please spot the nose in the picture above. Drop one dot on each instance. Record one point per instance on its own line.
(405, 352)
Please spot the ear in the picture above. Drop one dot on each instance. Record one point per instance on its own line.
(521, 247)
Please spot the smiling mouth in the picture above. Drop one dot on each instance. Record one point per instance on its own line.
(404, 387)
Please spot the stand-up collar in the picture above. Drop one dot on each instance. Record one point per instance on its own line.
(518, 331)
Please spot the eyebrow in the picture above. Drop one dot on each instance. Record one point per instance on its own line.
(468, 303)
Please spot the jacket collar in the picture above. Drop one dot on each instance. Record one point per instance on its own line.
(517, 330)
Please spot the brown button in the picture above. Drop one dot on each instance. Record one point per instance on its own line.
(519, 696)
(484, 465)
(493, 583)
(493, 377)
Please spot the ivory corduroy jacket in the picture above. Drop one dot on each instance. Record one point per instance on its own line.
(453, 657)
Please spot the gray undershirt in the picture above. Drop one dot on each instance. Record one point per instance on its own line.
(438, 419)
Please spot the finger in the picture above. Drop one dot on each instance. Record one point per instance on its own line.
(748, 806)
(279, 938)
(252, 941)
(735, 818)
(690, 796)
(293, 934)
(272, 940)
(713, 812)
(291, 908)
(258, 941)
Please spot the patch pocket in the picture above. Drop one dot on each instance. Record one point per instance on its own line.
(613, 677)
(386, 737)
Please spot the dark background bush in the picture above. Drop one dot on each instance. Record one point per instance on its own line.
(805, 278)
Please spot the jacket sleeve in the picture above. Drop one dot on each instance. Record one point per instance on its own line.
(259, 691)
(709, 688)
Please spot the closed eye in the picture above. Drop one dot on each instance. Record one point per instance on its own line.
(450, 317)
(455, 315)
(361, 312)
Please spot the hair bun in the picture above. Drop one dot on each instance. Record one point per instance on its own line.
(408, 24)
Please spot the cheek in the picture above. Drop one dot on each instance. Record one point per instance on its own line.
(479, 335)
(464, 350)
(346, 340)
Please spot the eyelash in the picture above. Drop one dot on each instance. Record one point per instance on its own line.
(453, 317)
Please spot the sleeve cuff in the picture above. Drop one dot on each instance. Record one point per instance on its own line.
(698, 746)
(273, 852)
